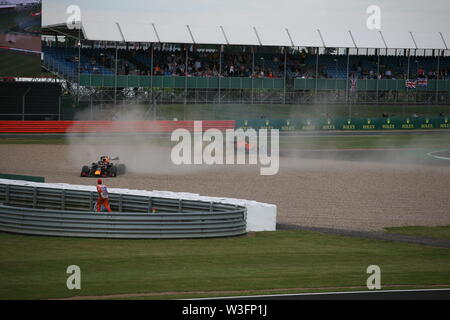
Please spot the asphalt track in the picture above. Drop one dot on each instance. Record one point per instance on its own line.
(374, 235)
(425, 294)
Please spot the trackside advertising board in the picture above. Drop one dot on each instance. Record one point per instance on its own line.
(346, 124)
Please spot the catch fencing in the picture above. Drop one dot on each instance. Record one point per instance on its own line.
(63, 212)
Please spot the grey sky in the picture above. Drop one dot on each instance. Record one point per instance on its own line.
(396, 15)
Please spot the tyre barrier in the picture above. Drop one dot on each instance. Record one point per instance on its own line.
(62, 212)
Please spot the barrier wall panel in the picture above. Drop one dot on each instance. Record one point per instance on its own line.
(144, 82)
(225, 83)
(213, 83)
(157, 82)
(364, 124)
(235, 83)
(36, 209)
(246, 83)
(133, 81)
(122, 81)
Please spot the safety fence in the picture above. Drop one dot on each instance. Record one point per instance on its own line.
(63, 212)
(158, 126)
(364, 124)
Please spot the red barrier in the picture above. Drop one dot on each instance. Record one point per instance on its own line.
(158, 126)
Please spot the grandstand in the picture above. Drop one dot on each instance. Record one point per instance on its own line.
(190, 64)
(267, 65)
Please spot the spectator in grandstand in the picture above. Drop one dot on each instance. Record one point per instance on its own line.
(231, 71)
(157, 70)
(197, 65)
(421, 72)
(388, 74)
(303, 57)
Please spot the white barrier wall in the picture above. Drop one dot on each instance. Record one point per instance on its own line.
(260, 216)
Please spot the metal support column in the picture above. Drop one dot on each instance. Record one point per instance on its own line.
(437, 76)
(79, 67)
(409, 56)
(317, 70)
(59, 108)
(23, 103)
(285, 73)
(185, 81)
(378, 70)
(407, 76)
(151, 72)
(220, 73)
(347, 75)
(253, 71)
(115, 72)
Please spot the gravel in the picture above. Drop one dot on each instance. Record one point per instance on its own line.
(321, 193)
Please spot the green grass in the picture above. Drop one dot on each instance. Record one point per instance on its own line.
(35, 267)
(11, 18)
(429, 232)
(19, 64)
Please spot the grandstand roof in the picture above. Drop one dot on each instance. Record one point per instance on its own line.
(258, 36)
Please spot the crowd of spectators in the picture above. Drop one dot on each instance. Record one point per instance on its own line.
(205, 64)
(299, 65)
(396, 68)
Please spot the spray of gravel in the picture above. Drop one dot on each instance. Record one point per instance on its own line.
(318, 151)
(392, 152)
(141, 153)
(150, 154)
